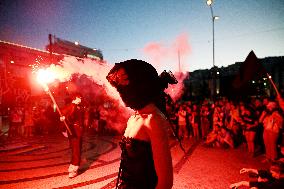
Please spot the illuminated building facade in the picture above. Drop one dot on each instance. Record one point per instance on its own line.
(61, 46)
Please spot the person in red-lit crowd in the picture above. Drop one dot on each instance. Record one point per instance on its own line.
(218, 117)
(189, 118)
(249, 124)
(272, 123)
(281, 105)
(280, 102)
(75, 116)
(103, 124)
(94, 117)
(234, 125)
(16, 121)
(182, 130)
(265, 179)
(258, 108)
(220, 136)
(28, 122)
(204, 120)
(195, 121)
(145, 159)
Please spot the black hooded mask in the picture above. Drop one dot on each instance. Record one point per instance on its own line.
(136, 81)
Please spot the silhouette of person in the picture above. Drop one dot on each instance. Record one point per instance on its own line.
(145, 159)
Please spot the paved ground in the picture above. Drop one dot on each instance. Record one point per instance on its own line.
(42, 162)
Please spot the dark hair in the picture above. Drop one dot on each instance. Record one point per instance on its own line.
(136, 81)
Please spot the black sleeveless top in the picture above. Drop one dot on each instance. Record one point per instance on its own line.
(249, 119)
(137, 169)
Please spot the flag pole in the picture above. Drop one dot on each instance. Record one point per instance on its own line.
(273, 84)
(46, 88)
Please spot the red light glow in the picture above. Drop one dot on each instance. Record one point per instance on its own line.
(45, 76)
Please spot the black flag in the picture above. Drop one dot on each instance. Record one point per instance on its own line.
(251, 69)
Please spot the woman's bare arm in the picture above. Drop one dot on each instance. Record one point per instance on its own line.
(157, 131)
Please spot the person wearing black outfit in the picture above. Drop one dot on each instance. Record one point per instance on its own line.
(146, 159)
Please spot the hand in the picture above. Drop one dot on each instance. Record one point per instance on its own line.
(62, 118)
(77, 101)
(235, 185)
(65, 134)
(238, 184)
(244, 170)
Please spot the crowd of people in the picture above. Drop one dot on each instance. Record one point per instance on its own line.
(39, 119)
(256, 123)
(226, 123)
(28, 120)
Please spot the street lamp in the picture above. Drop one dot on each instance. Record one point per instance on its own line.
(209, 3)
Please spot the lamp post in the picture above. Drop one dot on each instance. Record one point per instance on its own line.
(209, 3)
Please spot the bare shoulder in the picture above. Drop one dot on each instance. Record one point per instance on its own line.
(156, 121)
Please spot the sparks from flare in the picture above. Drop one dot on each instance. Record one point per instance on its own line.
(45, 76)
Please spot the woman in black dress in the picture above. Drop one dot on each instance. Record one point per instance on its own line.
(249, 124)
(146, 161)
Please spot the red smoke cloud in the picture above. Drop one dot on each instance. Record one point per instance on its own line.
(95, 85)
(171, 57)
(163, 56)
